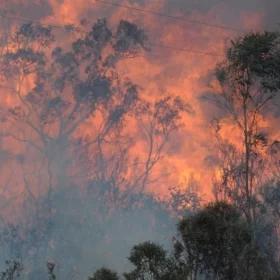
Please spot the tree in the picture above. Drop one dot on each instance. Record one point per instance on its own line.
(51, 267)
(271, 196)
(13, 271)
(64, 120)
(249, 79)
(69, 109)
(155, 122)
(217, 242)
(274, 158)
(150, 261)
(104, 274)
(185, 200)
(270, 213)
(56, 90)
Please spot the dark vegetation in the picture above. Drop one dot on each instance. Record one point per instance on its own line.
(235, 237)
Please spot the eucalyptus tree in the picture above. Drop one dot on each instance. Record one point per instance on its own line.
(65, 122)
(55, 89)
(249, 80)
(68, 105)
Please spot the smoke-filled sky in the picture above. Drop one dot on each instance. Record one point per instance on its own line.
(182, 55)
(225, 12)
(186, 40)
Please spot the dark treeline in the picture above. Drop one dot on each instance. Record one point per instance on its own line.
(84, 201)
(216, 242)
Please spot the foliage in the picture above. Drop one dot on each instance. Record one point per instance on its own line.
(99, 217)
(253, 57)
(185, 200)
(215, 241)
(249, 79)
(59, 90)
(71, 106)
(69, 119)
(271, 196)
(13, 270)
(149, 260)
(104, 274)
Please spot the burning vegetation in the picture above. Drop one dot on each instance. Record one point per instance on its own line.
(103, 147)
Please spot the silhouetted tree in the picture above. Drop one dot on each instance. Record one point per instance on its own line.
(69, 86)
(185, 199)
(150, 261)
(268, 235)
(51, 267)
(55, 90)
(249, 79)
(104, 274)
(217, 241)
(60, 89)
(13, 270)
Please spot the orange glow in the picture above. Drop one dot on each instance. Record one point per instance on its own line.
(165, 71)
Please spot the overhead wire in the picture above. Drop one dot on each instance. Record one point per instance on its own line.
(177, 49)
(171, 17)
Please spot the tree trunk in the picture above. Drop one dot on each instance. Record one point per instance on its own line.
(247, 148)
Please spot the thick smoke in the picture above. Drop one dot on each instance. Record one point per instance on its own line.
(85, 232)
(230, 10)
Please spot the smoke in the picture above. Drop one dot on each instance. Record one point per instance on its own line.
(34, 9)
(85, 232)
(229, 12)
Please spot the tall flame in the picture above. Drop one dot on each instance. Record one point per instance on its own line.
(182, 55)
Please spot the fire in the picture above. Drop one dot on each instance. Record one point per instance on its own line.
(181, 57)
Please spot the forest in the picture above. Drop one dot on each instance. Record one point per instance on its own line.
(86, 189)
